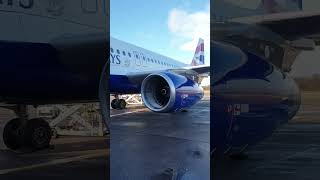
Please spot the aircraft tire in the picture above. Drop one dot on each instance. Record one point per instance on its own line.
(11, 134)
(36, 134)
(114, 103)
(122, 104)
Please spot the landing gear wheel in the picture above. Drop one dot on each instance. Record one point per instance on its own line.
(36, 134)
(114, 104)
(11, 134)
(118, 104)
(122, 104)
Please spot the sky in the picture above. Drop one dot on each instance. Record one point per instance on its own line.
(168, 27)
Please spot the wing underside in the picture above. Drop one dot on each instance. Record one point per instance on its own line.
(291, 26)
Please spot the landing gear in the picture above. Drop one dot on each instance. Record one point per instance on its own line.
(36, 134)
(122, 104)
(118, 103)
(24, 134)
(12, 134)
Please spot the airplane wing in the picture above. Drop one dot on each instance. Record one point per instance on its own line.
(201, 69)
(193, 72)
(291, 25)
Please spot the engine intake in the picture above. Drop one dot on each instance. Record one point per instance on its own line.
(168, 91)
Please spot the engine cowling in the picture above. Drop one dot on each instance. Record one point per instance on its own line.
(168, 91)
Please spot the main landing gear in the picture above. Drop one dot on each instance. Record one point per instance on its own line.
(118, 103)
(26, 134)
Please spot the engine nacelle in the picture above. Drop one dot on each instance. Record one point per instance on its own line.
(168, 91)
(250, 97)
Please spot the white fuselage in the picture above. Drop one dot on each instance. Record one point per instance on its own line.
(126, 58)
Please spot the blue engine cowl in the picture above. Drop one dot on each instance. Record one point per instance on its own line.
(168, 92)
(250, 99)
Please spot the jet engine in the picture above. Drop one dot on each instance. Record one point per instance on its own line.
(168, 92)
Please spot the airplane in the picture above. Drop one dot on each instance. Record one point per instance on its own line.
(166, 85)
(55, 52)
(52, 52)
(252, 52)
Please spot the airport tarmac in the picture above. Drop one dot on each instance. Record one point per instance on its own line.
(161, 146)
(68, 158)
(145, 145)
(293, 152)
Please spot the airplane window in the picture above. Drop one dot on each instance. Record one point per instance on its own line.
(144, 58)
(124, 53)
(152, 60)
(129, 54)
(111, 50)
(118, 51)
(137, 56)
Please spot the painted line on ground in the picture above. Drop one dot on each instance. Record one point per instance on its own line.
(125, 113)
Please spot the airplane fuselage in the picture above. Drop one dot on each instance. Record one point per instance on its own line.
(126, 59)
(40, 46)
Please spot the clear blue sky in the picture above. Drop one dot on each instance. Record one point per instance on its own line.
(145, 24)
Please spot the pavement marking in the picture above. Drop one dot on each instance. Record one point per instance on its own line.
(125, 113)
(79, 139)
(55, 162)
(83, 152)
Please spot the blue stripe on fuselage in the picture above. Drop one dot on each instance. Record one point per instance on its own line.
(120, 84)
